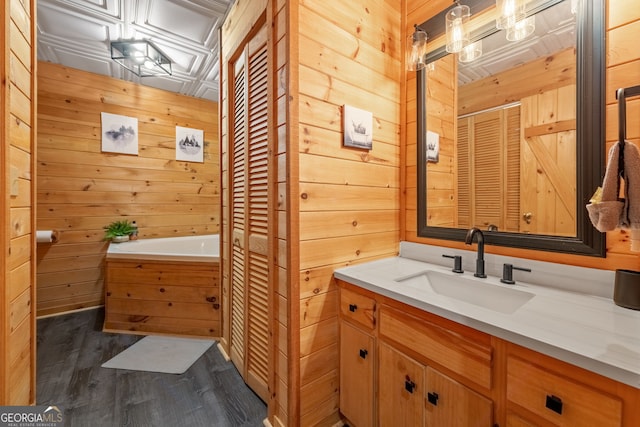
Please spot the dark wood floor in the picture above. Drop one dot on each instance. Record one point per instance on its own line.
(71, 349)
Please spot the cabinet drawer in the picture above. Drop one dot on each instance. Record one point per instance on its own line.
(557, 399)
(437, 344)
(357, 307)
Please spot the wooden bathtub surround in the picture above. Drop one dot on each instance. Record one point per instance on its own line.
(160, 297)
(403, 366)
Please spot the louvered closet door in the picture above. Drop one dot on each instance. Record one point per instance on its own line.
(257, 226)
(250, 210)
(238, 217)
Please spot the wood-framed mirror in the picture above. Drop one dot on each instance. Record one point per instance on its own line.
(442, 215)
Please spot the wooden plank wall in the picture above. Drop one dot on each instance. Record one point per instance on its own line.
(285, 380)
(623, 69)
(347, 199)
(81, 189)
(17, 163)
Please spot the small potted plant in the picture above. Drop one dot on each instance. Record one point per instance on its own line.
(118, 231)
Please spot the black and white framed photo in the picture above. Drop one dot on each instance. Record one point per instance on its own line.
(433, 147)
(119, 134)
(358, 127)
(189, 144)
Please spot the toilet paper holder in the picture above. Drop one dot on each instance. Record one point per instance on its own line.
(46, 236)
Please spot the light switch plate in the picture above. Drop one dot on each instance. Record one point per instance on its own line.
(14, 175)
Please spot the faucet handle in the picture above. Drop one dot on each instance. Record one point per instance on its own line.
(507, 273)
(457, 263)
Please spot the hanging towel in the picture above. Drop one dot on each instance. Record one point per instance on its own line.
(606, 214)
(612, 212)
(631, 212)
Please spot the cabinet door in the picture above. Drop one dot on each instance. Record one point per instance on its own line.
(451, 404)
(356, 375)
(400, 389)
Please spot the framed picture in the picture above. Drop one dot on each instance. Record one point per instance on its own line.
(433, 147)
(119, 134)
(358, 127)
(189, 144)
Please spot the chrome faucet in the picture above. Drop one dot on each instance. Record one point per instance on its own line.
(468, 240)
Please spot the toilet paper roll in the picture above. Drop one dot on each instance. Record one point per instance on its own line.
(46, 236)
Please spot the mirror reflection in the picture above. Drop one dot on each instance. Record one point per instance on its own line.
(501, 131)
(511, 139)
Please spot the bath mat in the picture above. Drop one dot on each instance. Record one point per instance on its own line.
(171, 355)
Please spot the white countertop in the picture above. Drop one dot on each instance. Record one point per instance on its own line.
(586, 330)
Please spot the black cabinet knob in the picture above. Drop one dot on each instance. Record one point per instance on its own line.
(363, 353)
(353, 308)
(409, 385)
(554, 403)
(432, 398)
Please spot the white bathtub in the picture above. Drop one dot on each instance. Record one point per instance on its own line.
(189, 248)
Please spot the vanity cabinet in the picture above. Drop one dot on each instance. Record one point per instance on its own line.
(424, 370)
(398, 368)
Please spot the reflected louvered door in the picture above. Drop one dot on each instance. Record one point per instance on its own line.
(512, 181)
(257, 225)
(463, 157)
(250, 216)
(487, 165)
(488, 169)
(238, 217)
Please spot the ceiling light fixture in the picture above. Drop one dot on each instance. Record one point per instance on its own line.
(521, 29)
(456, 27)
(416, 49)
(509, 12)
(471, 52)
(141, 57)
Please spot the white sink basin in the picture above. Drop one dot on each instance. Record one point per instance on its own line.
(493, 297)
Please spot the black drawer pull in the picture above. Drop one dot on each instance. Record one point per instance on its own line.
(432, 398)
(353, 308)
(554, 403)
(363, 353)
(409, 385)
